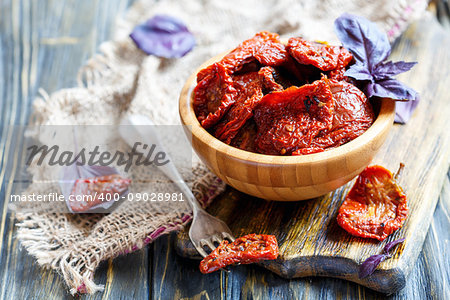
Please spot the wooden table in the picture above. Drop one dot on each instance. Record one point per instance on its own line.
(42, 44)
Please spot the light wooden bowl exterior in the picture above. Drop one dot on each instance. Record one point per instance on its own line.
(283, 178)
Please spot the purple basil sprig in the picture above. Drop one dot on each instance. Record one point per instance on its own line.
(370, 48)
(371, 263)
(163, 36)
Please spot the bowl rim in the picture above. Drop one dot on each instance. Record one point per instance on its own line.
(188, 118)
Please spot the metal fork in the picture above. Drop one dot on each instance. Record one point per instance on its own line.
(205, 229)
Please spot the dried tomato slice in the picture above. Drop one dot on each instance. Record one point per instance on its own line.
(353, 115)
(213, 95)
(245, 138)
(322, 56)
(269, 83)
(375, 207)
(271, 53)
(97, 188)
(290, 119)
(248, 249)
(249, 87)
(264, 48)
(345, 57)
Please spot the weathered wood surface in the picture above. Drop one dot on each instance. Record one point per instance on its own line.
(310, 241)
(43, 44)
(429, 278)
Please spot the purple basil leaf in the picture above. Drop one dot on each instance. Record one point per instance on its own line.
(390, 88)
(370, 48)
(166, 24)
(359, 71)
(163, 36)
(370, 264)
(73, 172)
(368, 44)
(391, 245)
(390, 69)
(404, 110)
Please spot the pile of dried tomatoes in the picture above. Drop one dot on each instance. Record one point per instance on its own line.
(277, 99)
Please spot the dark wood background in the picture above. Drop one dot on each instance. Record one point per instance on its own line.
(43, 44)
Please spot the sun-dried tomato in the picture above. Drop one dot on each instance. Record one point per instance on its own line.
(264, 48)
(271, 53)
(301, 74)
(322, 56)
(96, 190)
(345, 57)
(248, 249)
(249, 87)
(245, 52)
(269, 83)
(308, 106)
(290, 119)
(245, 138)
(375, 207)
(213, 96)
(353, 115)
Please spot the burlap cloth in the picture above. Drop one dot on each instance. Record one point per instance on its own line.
(121, 79)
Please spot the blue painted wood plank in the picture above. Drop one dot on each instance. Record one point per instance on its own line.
(43, 44)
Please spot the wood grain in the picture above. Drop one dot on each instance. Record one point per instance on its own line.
(311, 243)
(42, 45)
(427, 280)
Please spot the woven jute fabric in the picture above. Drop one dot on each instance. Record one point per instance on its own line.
(122, 80)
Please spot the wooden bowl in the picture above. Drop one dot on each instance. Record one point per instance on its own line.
(283, 178)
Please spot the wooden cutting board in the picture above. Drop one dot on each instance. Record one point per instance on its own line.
(311, 242)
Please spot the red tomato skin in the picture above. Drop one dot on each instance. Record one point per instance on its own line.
(247, 249)
(373, 215)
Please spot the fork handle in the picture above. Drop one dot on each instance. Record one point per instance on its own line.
(133, 131)
(171, 171)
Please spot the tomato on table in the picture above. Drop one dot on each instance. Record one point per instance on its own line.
(248, 249)
(375, 207)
